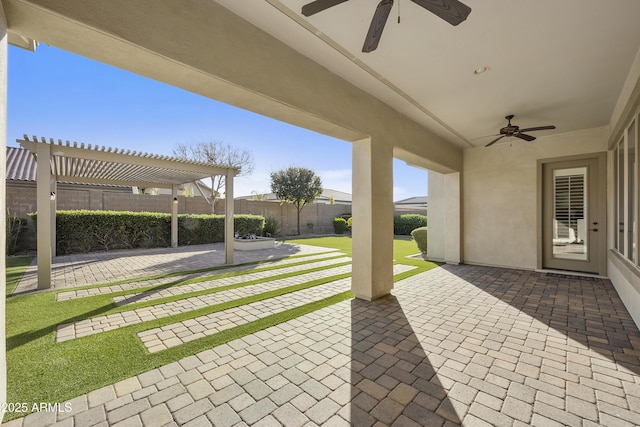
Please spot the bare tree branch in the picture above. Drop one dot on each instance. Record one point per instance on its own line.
(220, 154)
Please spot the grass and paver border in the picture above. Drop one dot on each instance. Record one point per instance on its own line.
(40, 370)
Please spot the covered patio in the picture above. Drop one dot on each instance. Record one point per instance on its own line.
(456, 345)
(492, 343)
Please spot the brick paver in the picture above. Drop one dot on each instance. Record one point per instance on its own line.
(110, 322)
(457, 345)
(179, 333)
(226, 281)
(103, 290)
(71, 271)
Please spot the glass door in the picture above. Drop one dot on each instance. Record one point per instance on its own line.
(570, 238)
(573, 215)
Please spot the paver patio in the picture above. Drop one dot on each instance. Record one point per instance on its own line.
(88, 269)
(456, 345)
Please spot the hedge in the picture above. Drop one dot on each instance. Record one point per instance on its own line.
(420, 236)
(87, 231)
(339, 225)
(403, 225)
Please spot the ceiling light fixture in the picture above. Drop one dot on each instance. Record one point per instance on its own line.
(481, 70)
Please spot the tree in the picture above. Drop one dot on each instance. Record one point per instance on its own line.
(217, 153)
(296, 185)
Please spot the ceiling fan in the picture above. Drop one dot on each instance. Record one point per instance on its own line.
(513, 130)
(451, 11)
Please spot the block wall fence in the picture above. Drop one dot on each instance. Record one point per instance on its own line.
(21, 200)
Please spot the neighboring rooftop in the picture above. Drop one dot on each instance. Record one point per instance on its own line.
(414, 201)
(21, 165)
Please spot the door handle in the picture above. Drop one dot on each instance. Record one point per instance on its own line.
(594, 229)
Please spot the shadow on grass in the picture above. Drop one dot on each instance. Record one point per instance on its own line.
(15, 341)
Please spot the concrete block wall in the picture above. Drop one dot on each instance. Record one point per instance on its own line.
(21, 200)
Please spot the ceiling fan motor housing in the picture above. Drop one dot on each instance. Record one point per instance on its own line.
(509, 130)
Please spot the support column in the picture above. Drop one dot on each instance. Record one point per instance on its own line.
(228, 217)
(3, 210)
(372, 242)
(445, 218)
(174, 216)
(43, 200)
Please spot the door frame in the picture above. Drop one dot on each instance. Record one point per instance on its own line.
(602, 206)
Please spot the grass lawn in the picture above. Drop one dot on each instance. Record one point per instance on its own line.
(41, 370)
(403, 246)
(16, 266)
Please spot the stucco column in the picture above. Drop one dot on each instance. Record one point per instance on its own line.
(3, 211)
(372, 242)
(228, 217)
(174, 216)
(43, 200)
(445, 218)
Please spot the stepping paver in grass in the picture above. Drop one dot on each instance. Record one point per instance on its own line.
(142, 283)
(181, 332)
(113, 321)
(151, 295)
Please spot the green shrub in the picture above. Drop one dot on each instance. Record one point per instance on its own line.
(349, 223)
(87, 231)
(420, 237)
(248, 224)
(15, 231)
(403, 225)
(339, 225)
(271, 227)
(200, 229)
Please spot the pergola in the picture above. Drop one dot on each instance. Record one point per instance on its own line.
(73, 162)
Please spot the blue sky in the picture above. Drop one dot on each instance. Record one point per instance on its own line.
(56, 94)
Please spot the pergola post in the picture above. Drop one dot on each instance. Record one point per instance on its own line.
(43, 200)
(174, 216)
(228, 217)
(213, 197)
(54, 205)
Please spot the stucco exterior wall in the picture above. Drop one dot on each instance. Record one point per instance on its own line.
(500, 212)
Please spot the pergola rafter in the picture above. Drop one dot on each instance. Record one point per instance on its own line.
(73, 162)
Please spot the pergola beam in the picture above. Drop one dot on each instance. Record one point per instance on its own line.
(124, 157)
(126, 183)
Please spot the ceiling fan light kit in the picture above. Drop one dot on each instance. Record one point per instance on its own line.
(451, 11)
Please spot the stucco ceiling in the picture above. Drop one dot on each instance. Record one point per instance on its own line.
(550, 62)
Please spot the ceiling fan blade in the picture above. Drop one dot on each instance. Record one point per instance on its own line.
(485, 136)
(318, 6)
(537, 128)
(451, 11)
(524, 136)
(377, 25)
(495, 140)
